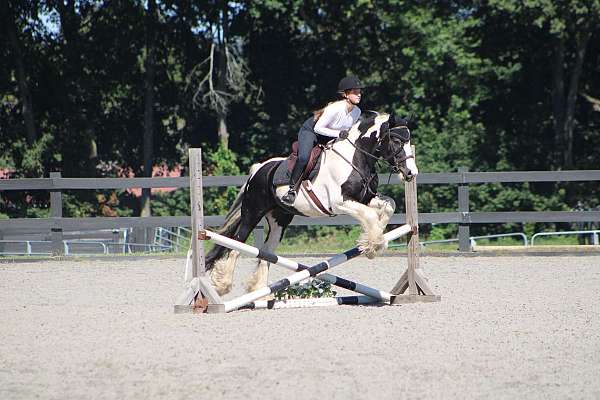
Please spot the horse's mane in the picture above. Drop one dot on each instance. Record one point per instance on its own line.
(367, 119)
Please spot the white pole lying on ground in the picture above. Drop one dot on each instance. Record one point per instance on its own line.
(301, 275)
(306, 303)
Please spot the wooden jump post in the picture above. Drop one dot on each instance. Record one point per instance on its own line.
(412, 279)
(200, 296)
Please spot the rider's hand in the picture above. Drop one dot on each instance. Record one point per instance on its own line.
(343, 134)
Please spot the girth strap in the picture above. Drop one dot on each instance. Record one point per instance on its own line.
(315, 199)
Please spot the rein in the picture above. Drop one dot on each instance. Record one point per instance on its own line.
(367, 182)
(377, 159)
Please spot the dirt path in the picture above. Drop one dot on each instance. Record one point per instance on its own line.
(507, 327)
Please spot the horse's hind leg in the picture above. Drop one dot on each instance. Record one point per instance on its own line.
(255, 203)
(277, 221)
(222, 272)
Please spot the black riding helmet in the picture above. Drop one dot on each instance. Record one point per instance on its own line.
(349, 82)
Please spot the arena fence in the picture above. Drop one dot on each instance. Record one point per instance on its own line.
(55, 226)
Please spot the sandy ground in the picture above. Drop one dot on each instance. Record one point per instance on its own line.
(507, 327)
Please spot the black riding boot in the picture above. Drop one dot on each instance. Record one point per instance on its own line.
(306, 141)
(295, 176)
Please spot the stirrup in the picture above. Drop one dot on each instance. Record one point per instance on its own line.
(290, 197)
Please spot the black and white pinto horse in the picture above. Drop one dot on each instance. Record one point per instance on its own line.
(345, 184)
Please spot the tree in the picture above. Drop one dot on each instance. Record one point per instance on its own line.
(221, 78)
(562, 32)
(81, 90)
(11, 16)
(149, 77)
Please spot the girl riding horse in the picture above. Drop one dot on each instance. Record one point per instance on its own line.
(325, 125)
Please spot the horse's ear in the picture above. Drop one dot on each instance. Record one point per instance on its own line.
(392, 119)
(410, 119)
(384, 130)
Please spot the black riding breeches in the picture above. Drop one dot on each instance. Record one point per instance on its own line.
(306, 141)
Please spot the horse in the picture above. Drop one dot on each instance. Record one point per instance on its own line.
(346, 183)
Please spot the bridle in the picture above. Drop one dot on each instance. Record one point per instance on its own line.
(398, 160)
(395, 165)
(387, 133)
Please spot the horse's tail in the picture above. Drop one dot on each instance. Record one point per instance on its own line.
(229, 229)
(231, 225)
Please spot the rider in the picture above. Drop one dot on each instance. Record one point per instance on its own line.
(325, 125)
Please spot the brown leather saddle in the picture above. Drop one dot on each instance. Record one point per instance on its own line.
(309, 172)
(312, 160)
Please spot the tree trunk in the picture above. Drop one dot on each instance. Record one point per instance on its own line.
(223, 133)
(582, 42)
(222, 73)
(558, 95)
(24, 92)
(149, 105)
(79, 86)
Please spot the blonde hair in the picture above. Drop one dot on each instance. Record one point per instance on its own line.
(317, 113)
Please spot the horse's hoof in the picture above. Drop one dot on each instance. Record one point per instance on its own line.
(370, 249)
(370, 254)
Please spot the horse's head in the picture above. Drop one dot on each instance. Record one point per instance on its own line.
(392, 141)
(395, 147)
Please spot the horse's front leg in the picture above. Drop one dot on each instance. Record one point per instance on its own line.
(371, 240)
(385, 207)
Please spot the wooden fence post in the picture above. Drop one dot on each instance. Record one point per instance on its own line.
(464, 231)
(196, 199)
(56, 206)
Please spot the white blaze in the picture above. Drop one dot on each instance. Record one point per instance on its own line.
(410, 162)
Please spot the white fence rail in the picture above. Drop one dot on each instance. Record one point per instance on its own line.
(593, 233)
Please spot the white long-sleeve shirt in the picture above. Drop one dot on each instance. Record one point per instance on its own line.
(336, 118)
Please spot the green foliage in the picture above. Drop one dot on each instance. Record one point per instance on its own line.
(442, 231)
(75, 207)
(174, 203)
(35, 157)
(221, 161)
(324, 239)
(312, 288)
(28, 160)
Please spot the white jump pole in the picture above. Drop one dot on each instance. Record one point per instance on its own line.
(294, 266)
(307, 303)
(301, 275)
